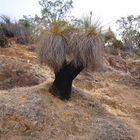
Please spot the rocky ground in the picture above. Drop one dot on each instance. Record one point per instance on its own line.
(104, 106)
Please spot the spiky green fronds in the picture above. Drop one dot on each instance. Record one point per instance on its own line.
(57, 27)
(87, 46)
(91, 27)
(60, 28)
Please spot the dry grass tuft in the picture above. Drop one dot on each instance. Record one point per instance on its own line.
(52, 50)
(21, 33)
(91, 26)
(81, 49)
(87, 50)
(87, 45)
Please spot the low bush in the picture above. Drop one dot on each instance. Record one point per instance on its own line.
(14, 29)
(117, 44)
(21, 34)
(114, 46)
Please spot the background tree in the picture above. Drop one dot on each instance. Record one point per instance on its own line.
(113, 45)
(54, 11)
(67, 54)
(129, 28)
(33, 24)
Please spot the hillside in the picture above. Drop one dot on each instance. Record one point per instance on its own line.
(104, 105)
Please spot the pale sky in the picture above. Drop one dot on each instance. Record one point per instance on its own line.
(108, 11)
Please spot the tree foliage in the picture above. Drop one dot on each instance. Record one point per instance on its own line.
(56, 10)
(130, 31)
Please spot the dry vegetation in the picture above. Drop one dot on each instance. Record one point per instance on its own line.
(104, 106)
(87, 50)
(52, 50)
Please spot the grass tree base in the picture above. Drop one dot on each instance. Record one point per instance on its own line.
(62, 85)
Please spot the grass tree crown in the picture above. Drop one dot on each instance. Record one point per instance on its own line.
(88, 45)
(81, 47)
(61, 44)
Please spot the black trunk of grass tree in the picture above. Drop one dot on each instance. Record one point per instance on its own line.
(62, 85)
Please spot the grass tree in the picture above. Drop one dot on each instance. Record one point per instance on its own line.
(69, 54)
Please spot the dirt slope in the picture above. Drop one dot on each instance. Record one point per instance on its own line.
(104, 106)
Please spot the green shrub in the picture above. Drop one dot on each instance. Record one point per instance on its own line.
(117, 44)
